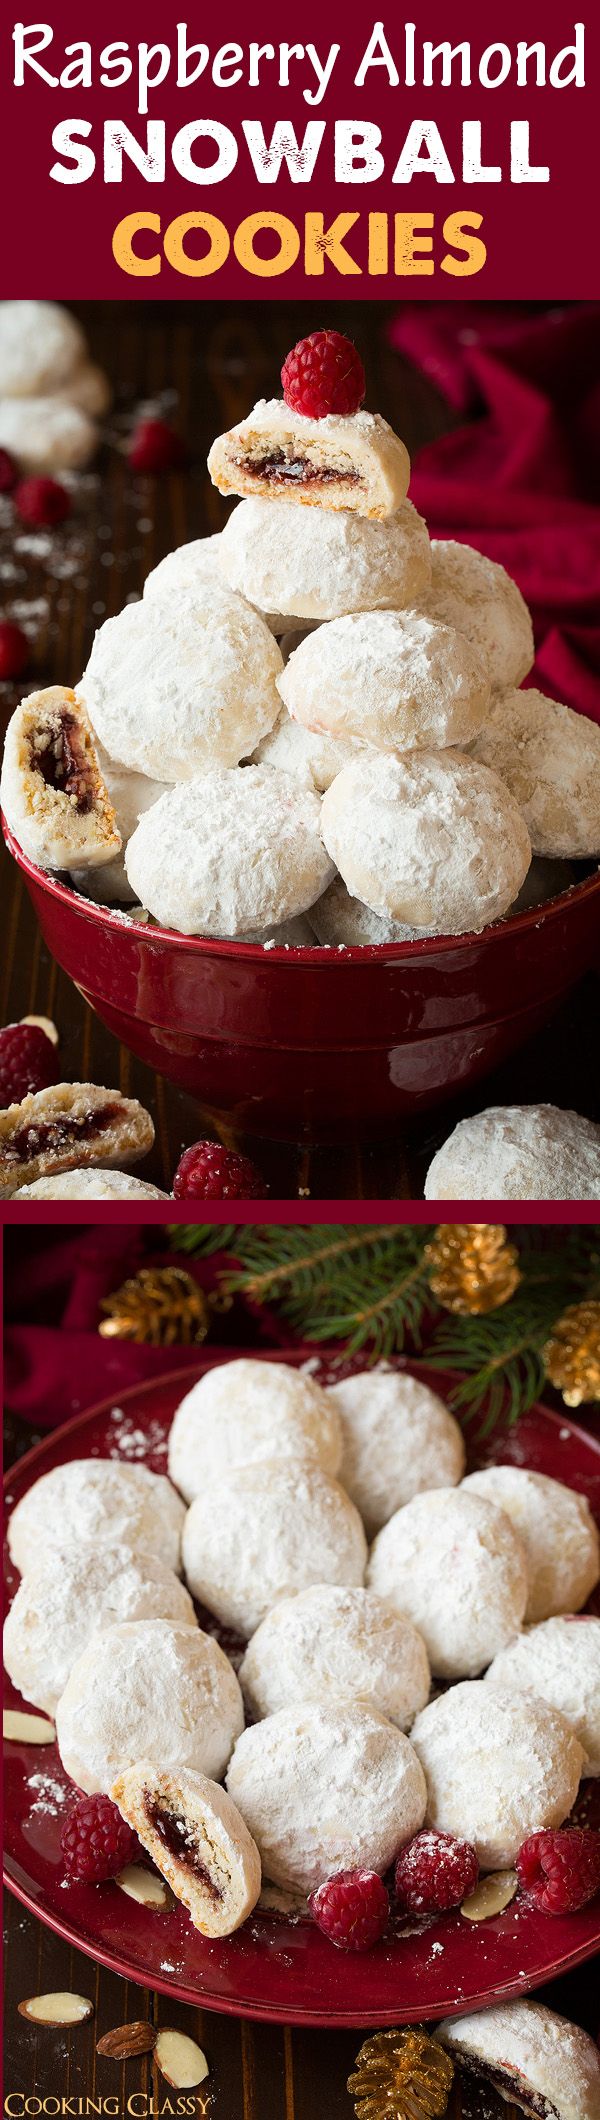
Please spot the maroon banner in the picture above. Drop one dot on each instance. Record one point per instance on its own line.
(450, 155)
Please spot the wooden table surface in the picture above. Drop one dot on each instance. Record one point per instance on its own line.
(206, 362)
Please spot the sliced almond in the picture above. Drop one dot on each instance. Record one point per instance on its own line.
(127, 2039)
(142, 1884)
(491, 1895)
(23, 1729)
(57, 2009)
(180, 2061)
(43, 1023)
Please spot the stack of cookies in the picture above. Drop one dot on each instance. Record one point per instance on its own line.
(311, 728)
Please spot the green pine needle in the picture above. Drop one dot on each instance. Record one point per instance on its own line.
(365, 1287)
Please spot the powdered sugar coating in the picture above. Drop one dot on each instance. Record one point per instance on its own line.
(325, 1789)
(236, 850)
(314, 757)
(431, 838)
(559, 1660)
(92, 1185)
(542, 2056)
(337, 918)
(180, 572)
(148, 1688)
(559, 1535)
(496, 1773)
(70, 1597)
(41, 343)
(131, 795)
(241, 1412)
(336, 1645)
(262, 1532)
(94, 1500)
(389, 678)
(457, 1567)
(46, 434)
(476, 595)
(174, 689)
(549, 757)
(518, 1152)
(320, 562)
(398, 1439)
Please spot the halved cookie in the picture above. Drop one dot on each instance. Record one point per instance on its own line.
(352, 461)
(198, 1839)
(69, 1125)
(52, 791)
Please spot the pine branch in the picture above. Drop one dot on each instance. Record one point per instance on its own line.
(366, 1288)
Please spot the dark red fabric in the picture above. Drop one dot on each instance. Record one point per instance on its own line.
(55, 1363)
(521, 479)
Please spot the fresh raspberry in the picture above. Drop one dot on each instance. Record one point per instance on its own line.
(352, 1909)
(96, 1841)
(434, 1872)
(322, 374)
(42, 502)
(28, 1062)
(156, 447)
(560, 1872)
(14, 649)
(8, 472)
(209, 1172)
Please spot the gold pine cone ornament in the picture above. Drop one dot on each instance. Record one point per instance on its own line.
(160, 1306)
(401, 2075)
(472, 1267)
(572, 1354)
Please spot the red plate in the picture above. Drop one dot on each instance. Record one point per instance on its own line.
(273, 1968)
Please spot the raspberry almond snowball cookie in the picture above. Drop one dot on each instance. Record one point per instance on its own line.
(131, 795)
(338, 921)
(47, 434)
(41, 344)
(232, 852)
(175, 689)
(352, 461)
(534, 2059)
(320, 563)
(97, 1501)
(91, 1185)
(197, 1838)
(262, 1532)
(312, 756)
(430, 838)
(561, 1541)
(52, 789)
(324, 1789)
(148, 1686)
(69, 1597)
(398, 1439)
(455, 1566)
(336, 1645)
(476, 595)
(244, 1411)
(560, 1661)
(549, 757)
(496, 1771)
(518, 1152)
(387, 678)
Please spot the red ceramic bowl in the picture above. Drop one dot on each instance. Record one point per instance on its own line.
(298, 1043)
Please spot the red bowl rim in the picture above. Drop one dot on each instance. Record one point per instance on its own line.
(299, 954)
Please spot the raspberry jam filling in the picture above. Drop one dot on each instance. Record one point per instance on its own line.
(58, 756)
(278, 468)
(53, 1136)
(177, 1837)
(506, 2083)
